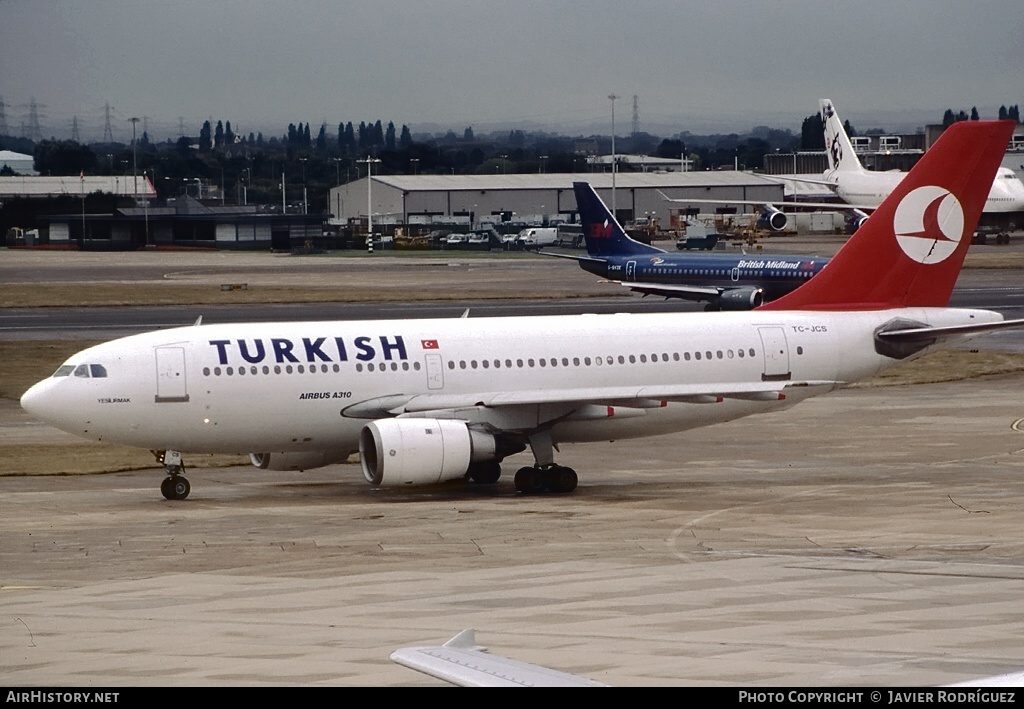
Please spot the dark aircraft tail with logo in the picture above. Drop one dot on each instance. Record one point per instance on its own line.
(601, 232)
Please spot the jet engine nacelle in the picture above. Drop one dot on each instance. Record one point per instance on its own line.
(741, 299)
(414, 451)
(772, 218)
(306, 460)
(855, 221)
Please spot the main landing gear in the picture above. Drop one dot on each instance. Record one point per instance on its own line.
(537, 480)
(175, 486)
(485, 472)
(544, 476)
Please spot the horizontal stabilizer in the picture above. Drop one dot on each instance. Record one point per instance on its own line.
(933, 334)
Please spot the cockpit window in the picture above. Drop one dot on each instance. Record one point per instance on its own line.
(85, 371)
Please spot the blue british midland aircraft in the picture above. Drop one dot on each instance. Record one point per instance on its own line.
(724, 281)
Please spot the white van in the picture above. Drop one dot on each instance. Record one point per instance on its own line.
(536, 237)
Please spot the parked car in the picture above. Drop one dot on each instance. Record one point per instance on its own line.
(508, 242)
(438, 237)
(483, 238)
(697, 237)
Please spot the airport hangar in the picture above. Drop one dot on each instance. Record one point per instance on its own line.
(427, 199)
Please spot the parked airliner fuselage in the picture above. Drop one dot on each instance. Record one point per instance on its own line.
(870, 188)
(303, 387)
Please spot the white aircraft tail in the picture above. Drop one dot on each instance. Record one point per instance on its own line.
(838, 147)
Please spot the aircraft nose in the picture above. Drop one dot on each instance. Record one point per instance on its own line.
(38, 400)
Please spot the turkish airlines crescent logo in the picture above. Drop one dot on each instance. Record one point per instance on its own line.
(929, 223)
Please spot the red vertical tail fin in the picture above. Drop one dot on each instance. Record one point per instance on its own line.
(910, 251)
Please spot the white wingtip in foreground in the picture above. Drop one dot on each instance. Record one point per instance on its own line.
(464, 663)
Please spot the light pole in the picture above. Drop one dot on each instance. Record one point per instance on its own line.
(146, 203)
(305, 209)
(369, 201)
(612, 98)
(135, 160)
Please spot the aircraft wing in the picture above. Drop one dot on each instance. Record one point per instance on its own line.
(575, 257)
(666, 290)
(672, 290)
(591, 402)
(782, 179)
(620, 396)
(836, 206)
(464, 663)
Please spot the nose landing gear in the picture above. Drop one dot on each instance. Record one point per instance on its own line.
(175, 486)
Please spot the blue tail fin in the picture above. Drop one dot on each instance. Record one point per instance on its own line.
(603, 235)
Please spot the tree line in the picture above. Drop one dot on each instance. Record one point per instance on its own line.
(1005, 113)
(249, 167)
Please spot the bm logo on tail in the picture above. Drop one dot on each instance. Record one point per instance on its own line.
(601, 231)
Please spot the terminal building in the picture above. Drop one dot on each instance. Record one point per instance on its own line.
(122, 213)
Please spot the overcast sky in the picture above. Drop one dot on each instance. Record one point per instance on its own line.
(698, 66)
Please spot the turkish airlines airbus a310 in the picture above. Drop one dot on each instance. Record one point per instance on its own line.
(425, 401)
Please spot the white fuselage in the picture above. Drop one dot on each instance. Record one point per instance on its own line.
(300, 387)
(867, 188)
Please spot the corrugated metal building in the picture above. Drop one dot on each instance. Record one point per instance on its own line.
(417, 199)
(42, 187)
(20, 163)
